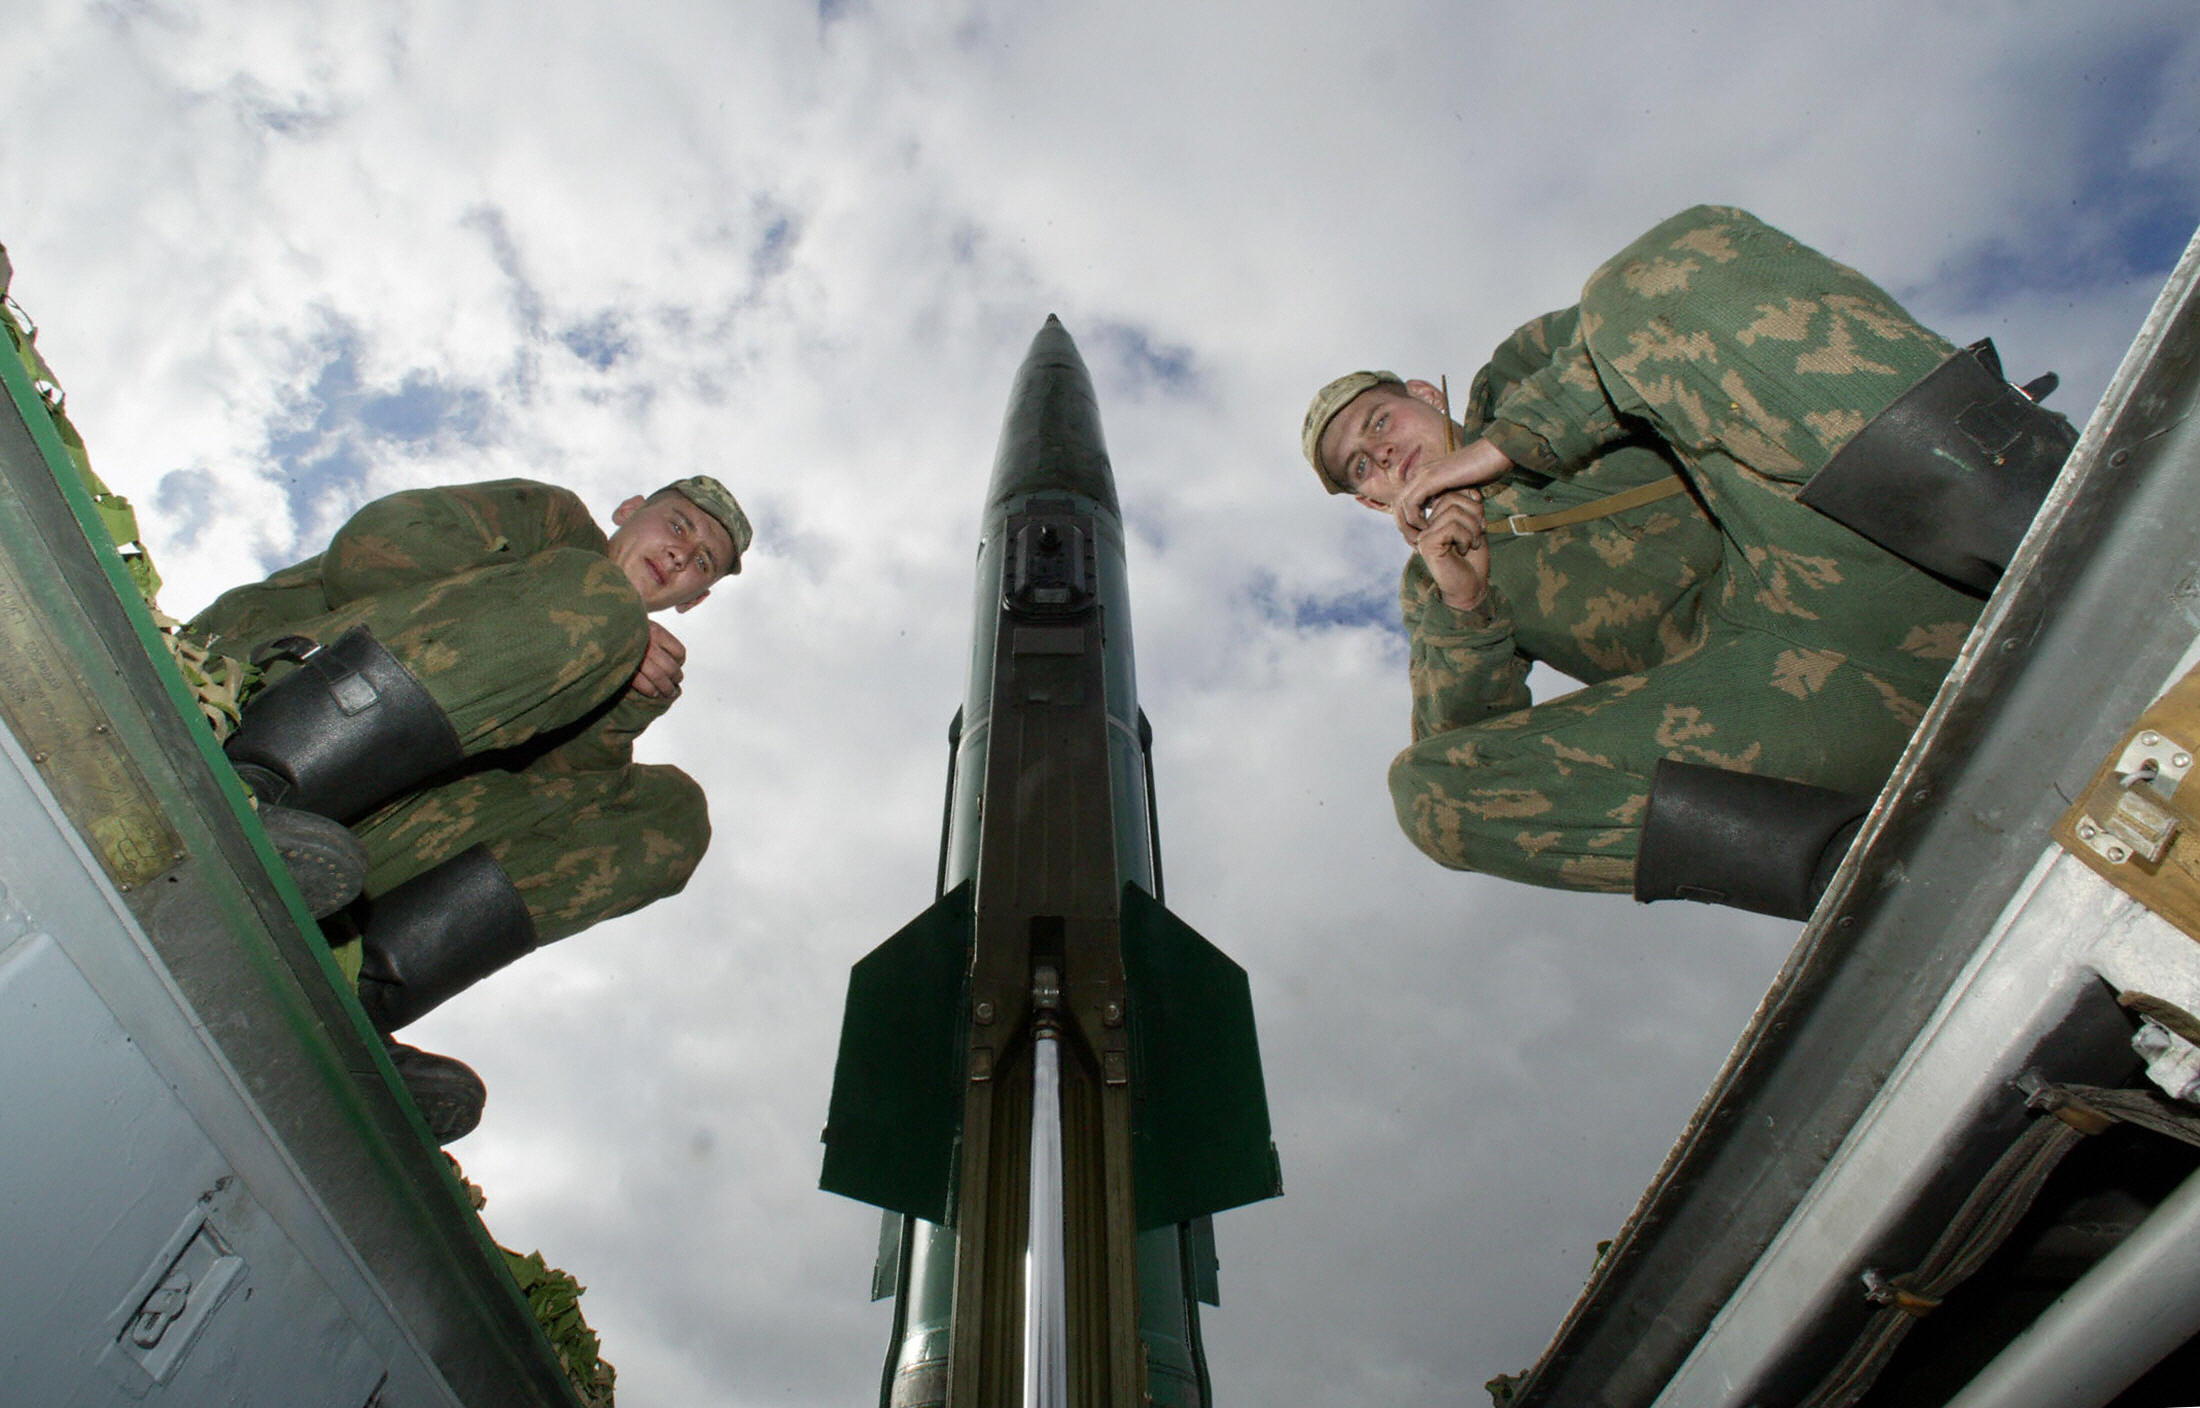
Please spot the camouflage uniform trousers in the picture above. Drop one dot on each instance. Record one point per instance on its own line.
(580, 846)
(529, 659)
(1754, 359)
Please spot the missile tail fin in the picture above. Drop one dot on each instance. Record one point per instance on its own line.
(1200, 1138)
(896, 1114)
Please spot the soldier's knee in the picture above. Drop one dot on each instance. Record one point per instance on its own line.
(1425, 794)
(676, 826)
(1681, 254)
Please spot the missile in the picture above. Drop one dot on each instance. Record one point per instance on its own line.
(1048, 1081)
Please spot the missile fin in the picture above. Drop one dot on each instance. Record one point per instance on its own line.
(1200, 1138)
(896, 1114)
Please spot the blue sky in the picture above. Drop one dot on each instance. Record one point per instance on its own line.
(289, 258)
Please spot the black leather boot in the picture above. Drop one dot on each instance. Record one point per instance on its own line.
(321, 748)
(1757, 843)
(1950, 475)
(438, 934)
(429, 939)
(449, 1092)
(345, 732)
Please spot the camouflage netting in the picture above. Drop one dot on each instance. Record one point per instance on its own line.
(555, 1297)
(218, 684)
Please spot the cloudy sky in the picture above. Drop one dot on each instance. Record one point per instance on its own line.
(290, 257)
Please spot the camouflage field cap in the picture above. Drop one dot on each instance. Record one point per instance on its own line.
(718, 501)
(1327, 402)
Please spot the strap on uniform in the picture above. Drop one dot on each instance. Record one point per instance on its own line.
(1523, 523)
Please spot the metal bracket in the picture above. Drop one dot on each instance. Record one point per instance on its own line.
(2135, 819)
(2173, 1063)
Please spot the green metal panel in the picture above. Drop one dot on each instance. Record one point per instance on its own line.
(1200, 1141)
(896, 1111)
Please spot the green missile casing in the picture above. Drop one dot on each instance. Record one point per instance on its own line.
(1049, 861)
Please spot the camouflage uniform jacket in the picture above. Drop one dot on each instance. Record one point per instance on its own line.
(1612, 596)
(392, 546)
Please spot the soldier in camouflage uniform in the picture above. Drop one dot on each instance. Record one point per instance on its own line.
(1715, 621)
(510, 812)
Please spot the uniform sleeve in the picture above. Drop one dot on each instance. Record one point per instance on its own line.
(423, 534)
(605, 739)
(1465, 668)
(1548, 409)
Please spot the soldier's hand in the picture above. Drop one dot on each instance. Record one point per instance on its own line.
(1456, 547)
(1465, 468)
(658, 676)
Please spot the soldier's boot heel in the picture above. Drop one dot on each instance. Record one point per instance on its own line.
(350, 729)
(325, 860)
(449, 1093)
(1950, 475)
(1757, 843)
(426, 941)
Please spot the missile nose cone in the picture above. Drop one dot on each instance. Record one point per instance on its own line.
(1050, 437)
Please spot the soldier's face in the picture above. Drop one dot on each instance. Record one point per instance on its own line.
(1381, 437)
(669, 549)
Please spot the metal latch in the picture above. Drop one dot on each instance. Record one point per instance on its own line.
(189, 1281)
(2135, 819)
(161, 1309)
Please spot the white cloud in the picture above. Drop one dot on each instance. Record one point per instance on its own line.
(808, 254)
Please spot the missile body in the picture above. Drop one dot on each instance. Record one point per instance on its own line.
(1049, 1081)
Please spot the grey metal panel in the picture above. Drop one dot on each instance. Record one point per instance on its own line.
(2100, 606)
(109, 1183)
(99, 1165)
(139, 1265)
